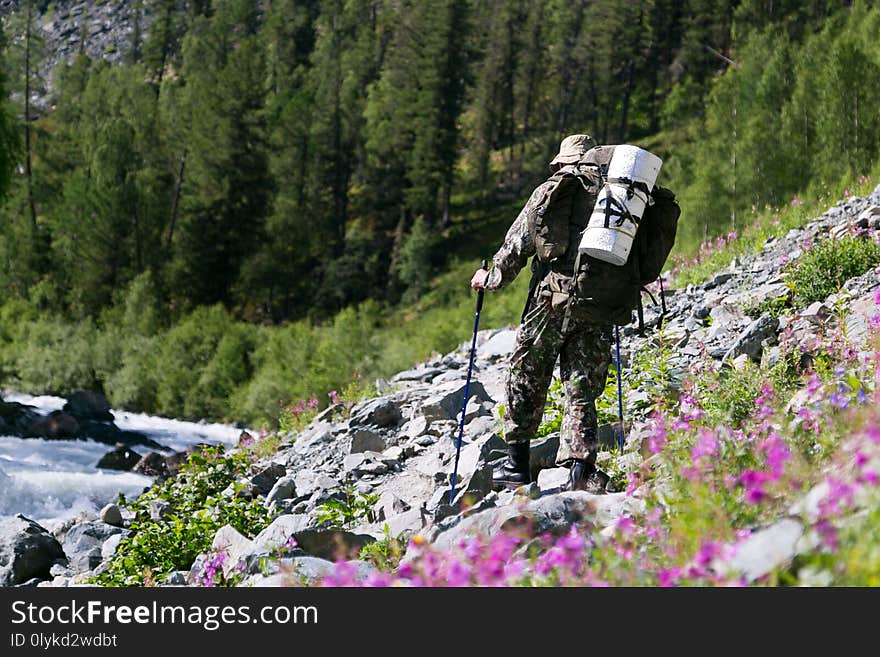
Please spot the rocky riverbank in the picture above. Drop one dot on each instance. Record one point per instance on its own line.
(398, 449)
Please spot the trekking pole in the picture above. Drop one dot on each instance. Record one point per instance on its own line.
(619, 389)
(467, 386)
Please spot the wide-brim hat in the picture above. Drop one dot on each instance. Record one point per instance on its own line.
(572, 148)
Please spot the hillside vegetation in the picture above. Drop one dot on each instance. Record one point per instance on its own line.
(272, 201)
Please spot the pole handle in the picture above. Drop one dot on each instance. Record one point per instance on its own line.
(483, 265)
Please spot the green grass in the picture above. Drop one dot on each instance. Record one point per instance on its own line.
(694, 263)
(824, 269)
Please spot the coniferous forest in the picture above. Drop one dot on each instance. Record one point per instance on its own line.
(262, 199)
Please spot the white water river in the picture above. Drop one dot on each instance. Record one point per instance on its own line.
(49, 480)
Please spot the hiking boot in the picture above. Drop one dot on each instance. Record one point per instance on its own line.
(586, 477)
(512, 471)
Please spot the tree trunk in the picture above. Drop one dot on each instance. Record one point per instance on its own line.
(27, 122)
(175, 201)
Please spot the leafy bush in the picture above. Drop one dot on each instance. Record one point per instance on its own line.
(345, 513)
(57, 357)
(728, 396)
(189, 363)
(197, 507)
(386, 553)
(824, 269)
(775, 306)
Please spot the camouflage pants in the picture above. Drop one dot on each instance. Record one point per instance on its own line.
(584, 352)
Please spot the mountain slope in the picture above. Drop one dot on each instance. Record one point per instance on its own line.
(751, 454)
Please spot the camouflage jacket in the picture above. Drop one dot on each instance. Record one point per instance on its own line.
(518, 244)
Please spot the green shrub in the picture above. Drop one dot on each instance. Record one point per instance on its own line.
(347, 512)
(728, 395)
(385, 553)
(775, 306)
(56, 357)
(186, 353)
(197, 508)
(827, 266)
(134, 384)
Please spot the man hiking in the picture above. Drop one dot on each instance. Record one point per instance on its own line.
(549, 330)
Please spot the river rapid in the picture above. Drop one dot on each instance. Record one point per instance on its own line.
(52, 480)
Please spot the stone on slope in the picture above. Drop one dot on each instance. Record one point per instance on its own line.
(445, 402)
(82, 543)
(474, 487)
(265, 479)
(334, 544)
(389, 505)
(236, 549)
(109, 547)
(278, 535)
(308, 482)
(27, 550)
(765, 550)
(382, 412)
(283, 489)
(551, 513)
(366, 440)
(750, 341)
(498, 347)
(552, 480)
(111, 515)
(316, 434)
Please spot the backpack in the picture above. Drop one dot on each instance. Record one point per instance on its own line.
(597, 290)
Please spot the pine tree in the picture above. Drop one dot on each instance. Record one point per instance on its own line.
(225, 198)
(28, 239)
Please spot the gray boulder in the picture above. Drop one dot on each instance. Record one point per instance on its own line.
(84, 541)
(498, 346)
(265, 479)
(277, 535)
(88, 405)
(109, 547)
(111, 515)
(389, 505)
(308, 482)
(363, 440)
(552, 480)
(333, 544)
(27, 550)
(122, 458)
(550, 513)
(382, 412)
(236, 549)
(751, 340)
(284, 489)
(765, 550)
(445, 403)
(475, 487)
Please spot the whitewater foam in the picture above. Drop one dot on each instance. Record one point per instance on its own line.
(50, 480)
